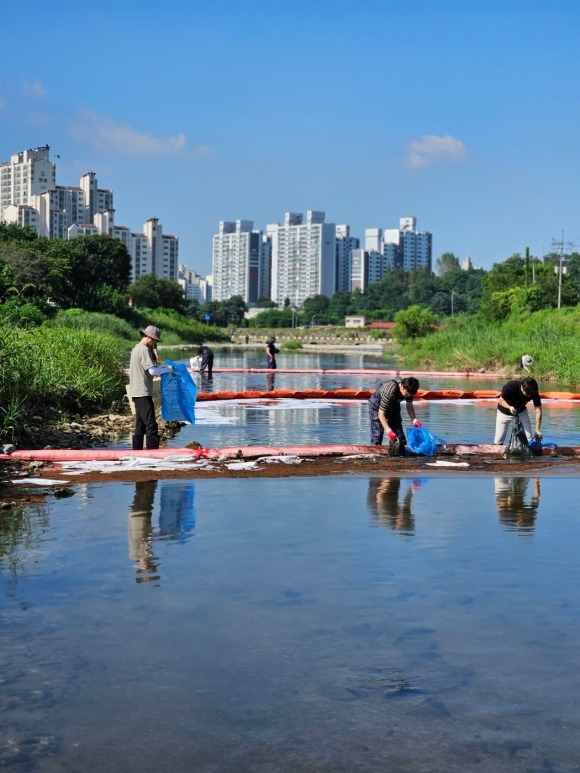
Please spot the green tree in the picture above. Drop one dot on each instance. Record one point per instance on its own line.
(317, 307)
(447, 262)
(153, 292)
(234, 309)
(414, 322)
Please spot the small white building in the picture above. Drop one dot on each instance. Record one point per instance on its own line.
(355, 321)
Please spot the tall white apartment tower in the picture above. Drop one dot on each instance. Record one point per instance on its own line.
(303, 258)
(408, 248)
(163, 250)
(236, 258)
(345, 244)
(96, 199)
(29, 173)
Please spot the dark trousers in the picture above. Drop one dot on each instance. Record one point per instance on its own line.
(271, 364)
(208, 363)
(378, 431)
(145, 424)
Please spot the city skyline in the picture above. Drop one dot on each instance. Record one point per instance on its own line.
(462, 116)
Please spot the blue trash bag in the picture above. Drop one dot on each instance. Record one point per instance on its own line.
(178, 394)
(421, 441)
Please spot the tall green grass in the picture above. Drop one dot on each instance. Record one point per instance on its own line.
(549, 336)
(176, 329)
(46, 372)
(109, 324)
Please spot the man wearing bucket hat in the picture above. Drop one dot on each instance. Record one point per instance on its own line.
(142, 368)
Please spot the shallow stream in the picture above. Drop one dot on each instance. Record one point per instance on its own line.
(296, 624)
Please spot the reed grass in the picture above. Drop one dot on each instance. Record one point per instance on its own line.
(466, 344)
(47, 373)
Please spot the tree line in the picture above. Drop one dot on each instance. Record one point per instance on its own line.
(93, 273)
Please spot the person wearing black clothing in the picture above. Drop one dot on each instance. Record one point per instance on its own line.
(385, 409)
(271, 351)
(513, 400)
(206, 355)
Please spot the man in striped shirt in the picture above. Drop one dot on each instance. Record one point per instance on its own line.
(385, 409)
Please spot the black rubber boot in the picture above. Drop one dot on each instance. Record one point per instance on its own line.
(137, 442)
(152, 441)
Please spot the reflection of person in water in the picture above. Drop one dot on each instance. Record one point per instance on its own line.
(177, 511)
(141, 531)
(271, 380)
(383, 502)
(512, 509)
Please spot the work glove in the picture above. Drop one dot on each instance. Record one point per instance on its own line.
(417, 423)
(392, 436)
(537, 437)
(514, 411)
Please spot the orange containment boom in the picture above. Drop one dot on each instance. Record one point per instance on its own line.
(364, 394)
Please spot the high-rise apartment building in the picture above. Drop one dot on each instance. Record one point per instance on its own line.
(345, 244)
(368, 267)
(27, 174)
(194, 285)
(29, 196)
(303, 258)
(238, 257)
(408, 248)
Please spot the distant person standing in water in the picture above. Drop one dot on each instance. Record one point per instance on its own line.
(206, 360)
(271, 352)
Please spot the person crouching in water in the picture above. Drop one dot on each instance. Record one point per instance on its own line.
(385, 409)
(512, 402)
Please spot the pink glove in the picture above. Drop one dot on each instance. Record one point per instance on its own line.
(392, 436)
(417, 423)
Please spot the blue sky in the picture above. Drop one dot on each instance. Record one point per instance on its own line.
(462, 113)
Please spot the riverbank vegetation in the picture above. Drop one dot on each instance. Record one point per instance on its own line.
(70, 315)
(464, 344)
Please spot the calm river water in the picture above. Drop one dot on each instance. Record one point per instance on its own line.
(353, 623)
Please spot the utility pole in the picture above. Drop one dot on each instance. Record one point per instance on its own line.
(558, 248)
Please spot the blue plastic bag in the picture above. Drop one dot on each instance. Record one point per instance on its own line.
(421, 441)
(178, 394)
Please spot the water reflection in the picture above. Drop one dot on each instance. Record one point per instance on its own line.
(270, 381)
(515, 509)
(383, 502)
(177, 514)
(22, 530)
(176, 522)
(206, 382)
(141, 532)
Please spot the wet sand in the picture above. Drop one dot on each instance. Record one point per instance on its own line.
(383, 466)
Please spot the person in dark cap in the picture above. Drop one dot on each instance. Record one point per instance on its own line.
(271, 352)
(142, 369)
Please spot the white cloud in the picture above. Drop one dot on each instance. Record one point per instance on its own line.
(430, 148)
(103, 133)
(35, 90)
